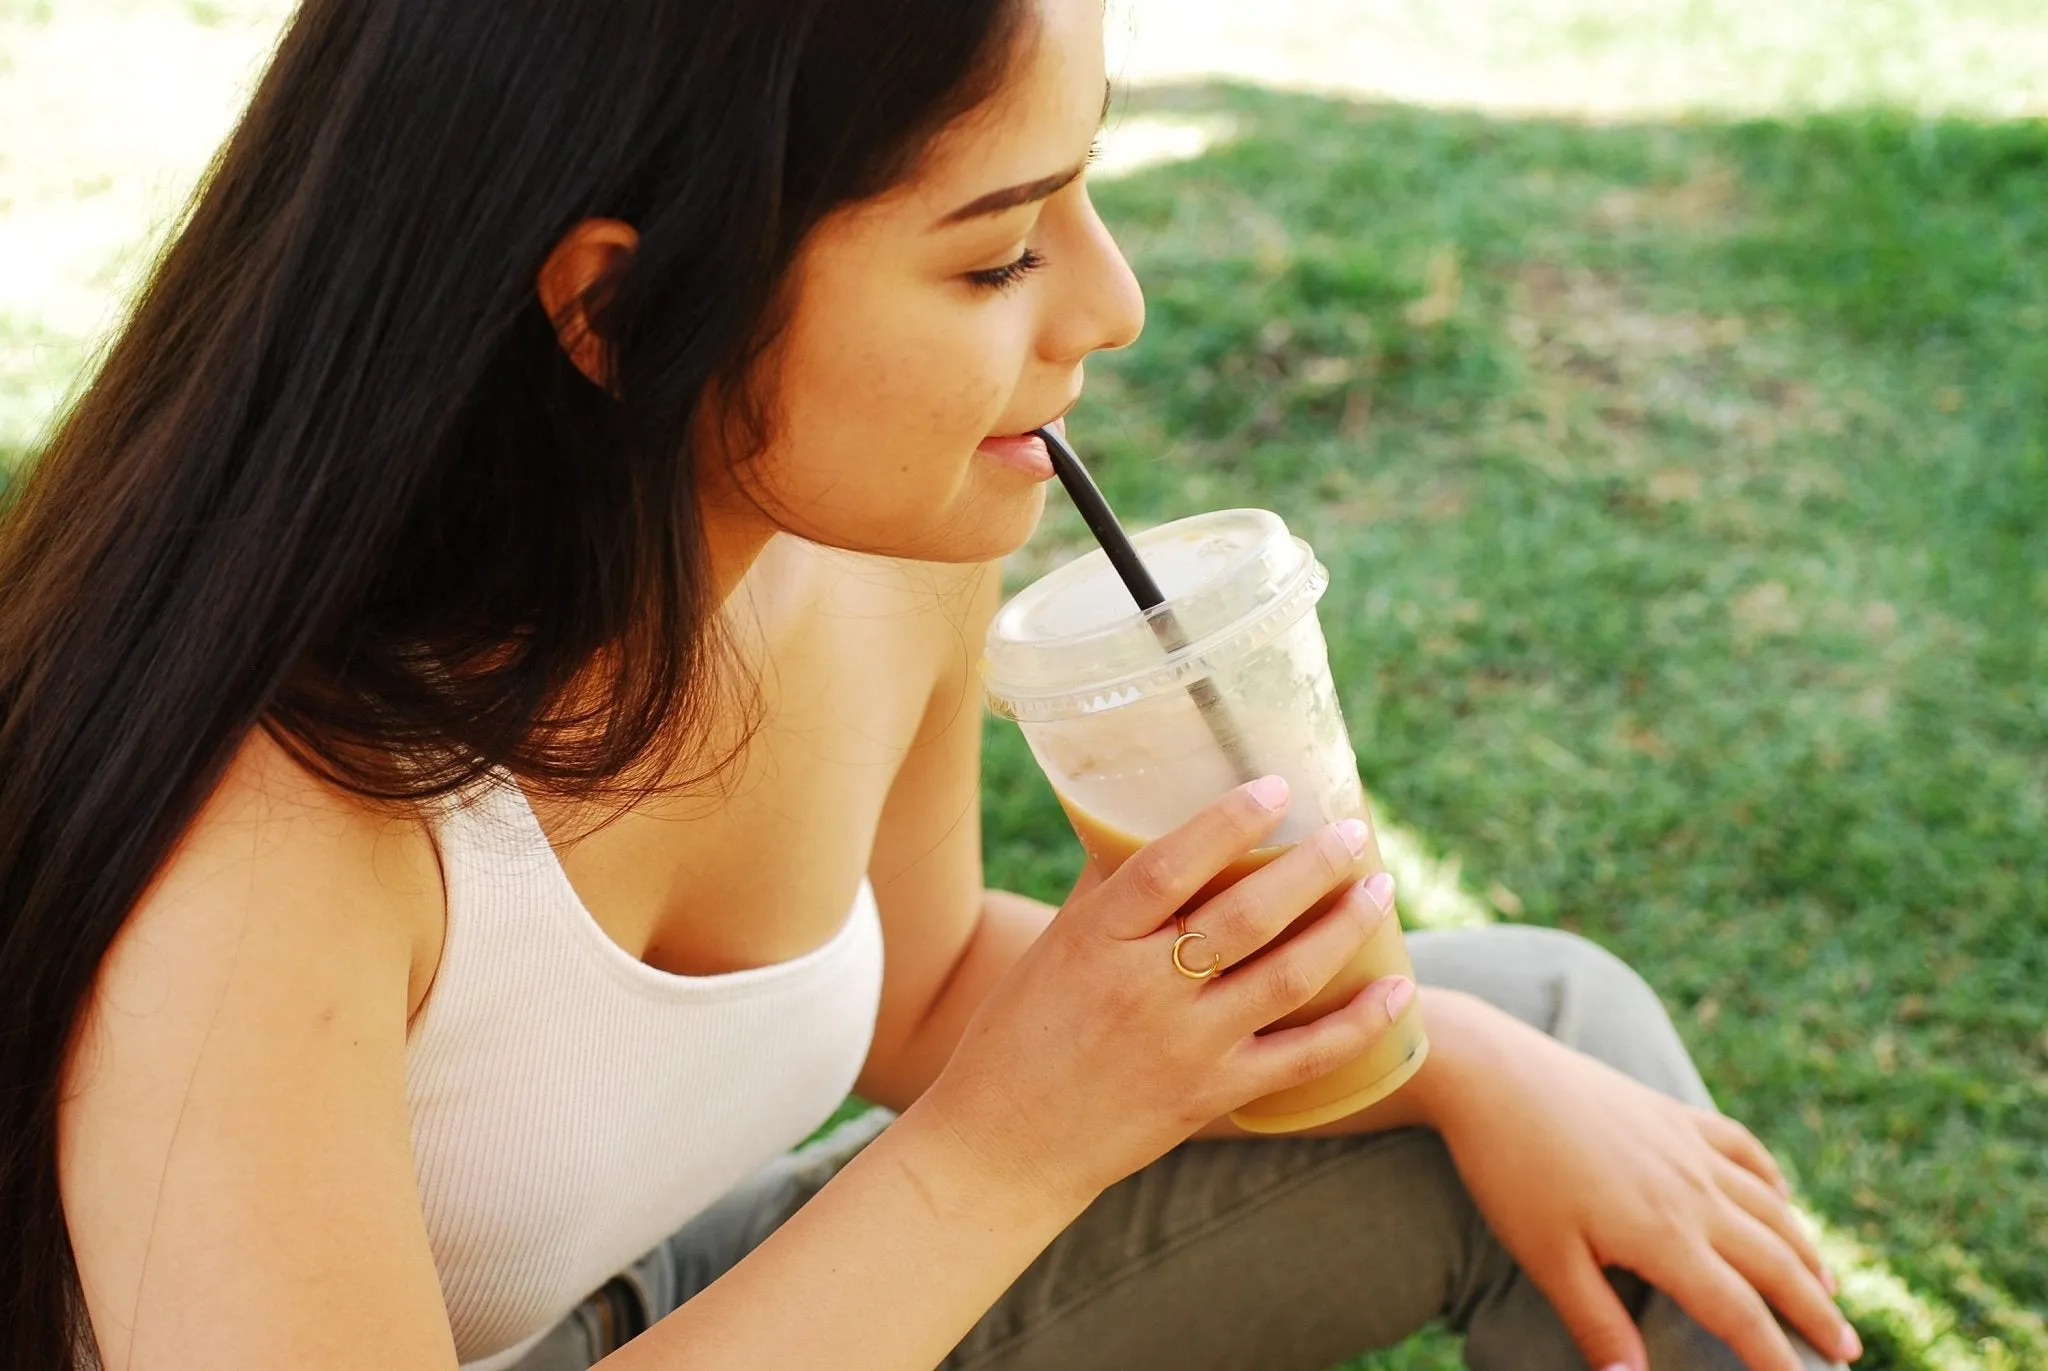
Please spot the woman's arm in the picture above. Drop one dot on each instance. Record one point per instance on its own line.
(1087, 1060)
(1689, 1200)
(233, 1152)
(919, 1210)
(923, 1211)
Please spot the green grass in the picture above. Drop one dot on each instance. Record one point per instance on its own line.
(1684, 486)
(1685, 494)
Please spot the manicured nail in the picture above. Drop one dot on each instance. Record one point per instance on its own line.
(1398, 996)
(1380, 890)
(1851, 1346)
(1269, 791)
(1352, 831)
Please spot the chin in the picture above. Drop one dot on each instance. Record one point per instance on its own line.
(989, 529)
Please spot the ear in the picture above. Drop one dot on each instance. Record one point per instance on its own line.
(586, 254)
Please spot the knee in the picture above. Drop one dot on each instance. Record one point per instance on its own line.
(1603, 1007)
(1595, 998)
(1600, 974)
(1573, 989)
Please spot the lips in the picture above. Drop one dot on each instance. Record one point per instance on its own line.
(1025, 452)
(1022, 452)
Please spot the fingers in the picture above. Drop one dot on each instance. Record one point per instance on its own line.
(1599, 1323)
(1769, 1208)
(1283, 979)
(1776, 1271)
(1729, 1307)
(1165, 874)
(1295, 1056)
(1741, 1146)
(1243, 919)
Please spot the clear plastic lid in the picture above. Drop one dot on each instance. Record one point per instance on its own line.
(1074, 642)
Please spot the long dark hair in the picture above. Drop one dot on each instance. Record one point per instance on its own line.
(336, 478)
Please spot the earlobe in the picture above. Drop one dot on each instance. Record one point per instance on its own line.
(587, 254)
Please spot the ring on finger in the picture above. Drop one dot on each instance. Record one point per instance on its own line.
(1215, 966)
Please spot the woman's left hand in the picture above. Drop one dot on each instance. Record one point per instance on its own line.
(1578, 1167)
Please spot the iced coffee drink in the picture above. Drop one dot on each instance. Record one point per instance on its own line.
(1137, 736)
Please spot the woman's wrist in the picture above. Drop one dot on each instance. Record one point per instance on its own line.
(1464, 1054)
(969, 1171)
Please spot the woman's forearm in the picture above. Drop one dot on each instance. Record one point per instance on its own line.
(922, 1210)
(885, 1269)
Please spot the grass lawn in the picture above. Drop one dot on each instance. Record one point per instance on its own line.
(1685, 493)
(1684, 486)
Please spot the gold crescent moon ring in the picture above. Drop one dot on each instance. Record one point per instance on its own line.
(1215, 961)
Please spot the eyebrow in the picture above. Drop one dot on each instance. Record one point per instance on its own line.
(1026, 193)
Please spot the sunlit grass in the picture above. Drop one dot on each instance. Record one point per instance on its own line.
(1683, 487)
(1609, 58)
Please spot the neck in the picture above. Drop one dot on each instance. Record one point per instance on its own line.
(733, 541)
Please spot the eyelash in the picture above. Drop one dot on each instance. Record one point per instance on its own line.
(1010, 273)
(1030, 260)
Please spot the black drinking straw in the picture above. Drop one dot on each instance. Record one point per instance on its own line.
(1137, 578)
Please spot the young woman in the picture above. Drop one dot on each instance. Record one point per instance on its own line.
(488, 758)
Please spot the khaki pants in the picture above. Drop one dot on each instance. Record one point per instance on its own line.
(1269, 1255)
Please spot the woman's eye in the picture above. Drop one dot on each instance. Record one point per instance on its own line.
(1009, 274)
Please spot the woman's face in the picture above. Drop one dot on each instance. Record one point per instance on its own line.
(956, 309)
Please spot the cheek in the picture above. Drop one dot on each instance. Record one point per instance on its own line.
(916, 391)
(935, 384)
(874, 436)
(916, 418)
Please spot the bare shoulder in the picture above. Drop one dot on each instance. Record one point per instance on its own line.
(271, 810)
(241, 1064)
(322, 863)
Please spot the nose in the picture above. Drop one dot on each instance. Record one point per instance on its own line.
(1098, 304)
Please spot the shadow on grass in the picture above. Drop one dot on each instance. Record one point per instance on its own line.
(1685, 493)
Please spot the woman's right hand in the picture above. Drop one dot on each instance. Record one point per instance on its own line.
(1092, 1057)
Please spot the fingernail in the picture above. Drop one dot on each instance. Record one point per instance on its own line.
(1269, 791)
(1352, 831)
(1827, 1281)
(1851, 1345)
(1398, 996)
(1380, 890)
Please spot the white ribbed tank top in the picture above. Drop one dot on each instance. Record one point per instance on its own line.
(571, 1106)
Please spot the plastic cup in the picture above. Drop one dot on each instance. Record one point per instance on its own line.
(1108, 713)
